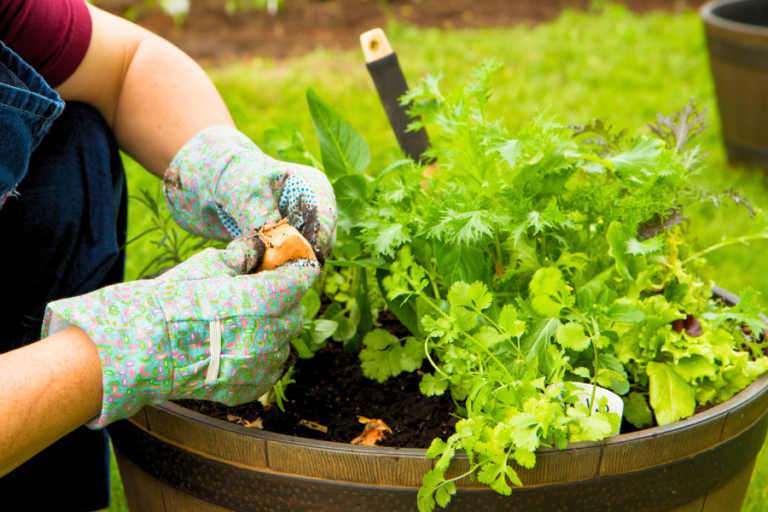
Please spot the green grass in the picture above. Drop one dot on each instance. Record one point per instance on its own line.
(611, 64)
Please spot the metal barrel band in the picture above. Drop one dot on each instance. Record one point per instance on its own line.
(244, 489)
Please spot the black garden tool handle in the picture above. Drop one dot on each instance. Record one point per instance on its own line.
(384, 68)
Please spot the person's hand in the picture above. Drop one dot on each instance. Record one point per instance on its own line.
(220, 185)
(202, 330)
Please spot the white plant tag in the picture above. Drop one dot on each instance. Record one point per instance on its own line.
(615, 404)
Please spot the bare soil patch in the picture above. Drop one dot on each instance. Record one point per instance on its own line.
(210, 34)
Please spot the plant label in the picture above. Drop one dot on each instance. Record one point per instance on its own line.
(615, 404)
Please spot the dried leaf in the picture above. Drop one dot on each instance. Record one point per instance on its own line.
(257, 423)
(373, 431)
(314, 426)
(236, 419)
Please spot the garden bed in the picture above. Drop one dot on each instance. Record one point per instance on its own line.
(331, 390)
(209, 33)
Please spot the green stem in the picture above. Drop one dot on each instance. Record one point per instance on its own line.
(426, 351)
(433, 281)
(498, 248)
(594, 349)
(725, 243)
(469, 336)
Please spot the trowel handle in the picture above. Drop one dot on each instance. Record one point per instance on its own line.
(390, 83)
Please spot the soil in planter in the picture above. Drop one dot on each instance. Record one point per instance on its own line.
(331, 390)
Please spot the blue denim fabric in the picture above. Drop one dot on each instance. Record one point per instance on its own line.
(27, 109)
(61, 234)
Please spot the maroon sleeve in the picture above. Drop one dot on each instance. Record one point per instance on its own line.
(52, 36)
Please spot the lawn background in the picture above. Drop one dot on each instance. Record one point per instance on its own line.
(608, 63)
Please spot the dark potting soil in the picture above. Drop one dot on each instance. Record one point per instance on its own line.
(331, 390)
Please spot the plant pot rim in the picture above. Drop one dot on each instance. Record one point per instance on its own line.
(750, 393)
(707, 12)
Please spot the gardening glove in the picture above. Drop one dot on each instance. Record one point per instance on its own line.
(220, 185)
(203, 330)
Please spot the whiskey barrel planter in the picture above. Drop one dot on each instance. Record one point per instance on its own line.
(737, 36)
(173, 459)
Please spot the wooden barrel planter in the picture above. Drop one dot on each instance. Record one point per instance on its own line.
(174, 459)
(737, 36)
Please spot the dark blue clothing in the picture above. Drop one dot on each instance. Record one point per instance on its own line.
(62, 232)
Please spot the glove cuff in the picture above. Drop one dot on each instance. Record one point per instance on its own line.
(126, 324)
(191, 182)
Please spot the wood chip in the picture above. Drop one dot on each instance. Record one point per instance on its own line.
(374, 430)
(314, 426)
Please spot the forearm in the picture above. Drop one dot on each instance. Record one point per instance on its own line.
(153, 96)
(47, 389)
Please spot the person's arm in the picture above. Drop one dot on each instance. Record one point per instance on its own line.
(47, 390)
(153, 96)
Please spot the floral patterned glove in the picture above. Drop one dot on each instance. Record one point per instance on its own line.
(220, 185)
(202, 330)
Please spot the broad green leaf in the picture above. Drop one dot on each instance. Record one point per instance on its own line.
(671, 397)
(346, 329)
(617, 377)
(676, 292)
(457, 263)
(437, 447)
(365, 322)
(311, 303)
(637, 411)
(617, 242)
(413, 354)
(510, 151)
(289, 145)
(636, 247)
(387, 238)
(582, 372)
(379, 339)
(596, 427)
(640, 157)
(548, 291)
(431, 385)
(302, 348)
(537, 342)
(474, 296)
(525, 458)
(571, 335)
(406, 312)
(508, 320)
(344, 151)
(350, 192)
(695, 368)
(322, 330)
(444, 493)
(623, 312)
(525, 434)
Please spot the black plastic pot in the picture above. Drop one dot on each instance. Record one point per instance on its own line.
(173, 459)
(737, 36)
